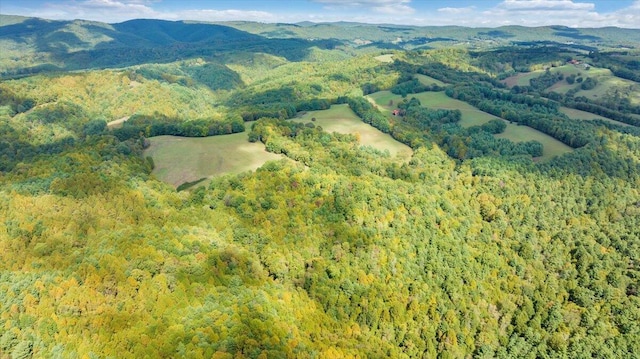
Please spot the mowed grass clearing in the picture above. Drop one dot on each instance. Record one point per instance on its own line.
(428, 80)
(584, 115)
(524, 78)
(340, 119)
(382, 100)
(471, 116)
(551, 146)
(187, 159)
(568, 70)
(521, 79)
(607, 82)
(385, 58)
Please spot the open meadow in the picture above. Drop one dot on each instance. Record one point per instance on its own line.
(551, 146)
(187, 159)
(180, 160)
(471, 116)
(341, 119)
(524, 78)
(428, 80)
(584, 115)
(387, 58)
(607, 82)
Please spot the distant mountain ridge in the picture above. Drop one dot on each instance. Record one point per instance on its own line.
(376, 32)
(32, 45)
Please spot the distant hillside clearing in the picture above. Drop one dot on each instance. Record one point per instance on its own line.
(385, 58)
(584, 115)
(117, 123)
(187, 159)
(551, 146)
(341, 119)
(471, 116)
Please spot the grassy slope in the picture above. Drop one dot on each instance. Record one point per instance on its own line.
(522, 79)
(551, 146)
(471, 116)
(341, 119)
(606, 81)
(584, 115)
(385, 58)
(180, 159)
(428, 80)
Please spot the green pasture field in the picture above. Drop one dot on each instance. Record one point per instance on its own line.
(471, 116)
(427, 80)
(584, 115)
(385, 58)
(187, 159)
(551, 146)
(382, 98)
(607, 82)
(521, 79)
(340, 119)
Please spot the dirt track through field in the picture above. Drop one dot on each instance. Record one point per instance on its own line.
(117, 123)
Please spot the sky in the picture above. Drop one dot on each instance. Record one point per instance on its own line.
(484, 13)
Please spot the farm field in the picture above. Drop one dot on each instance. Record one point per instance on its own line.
(471, 116)
(551, 146)
(187, 159)
(387, 58)
(606, 82)
(609, 84)
(584, 115)
(341, 119)
(568, 70)
(428, 80)
(382, 98)
(522, 79)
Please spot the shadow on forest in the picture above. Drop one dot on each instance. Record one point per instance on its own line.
(13, 151)
(141, 41)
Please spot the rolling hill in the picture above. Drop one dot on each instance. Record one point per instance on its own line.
(31, 45)
(456, 217)
(34, 45)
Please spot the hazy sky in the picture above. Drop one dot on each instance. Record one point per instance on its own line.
(575, 13)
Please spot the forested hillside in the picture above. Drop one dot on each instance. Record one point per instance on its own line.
(512, 231)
